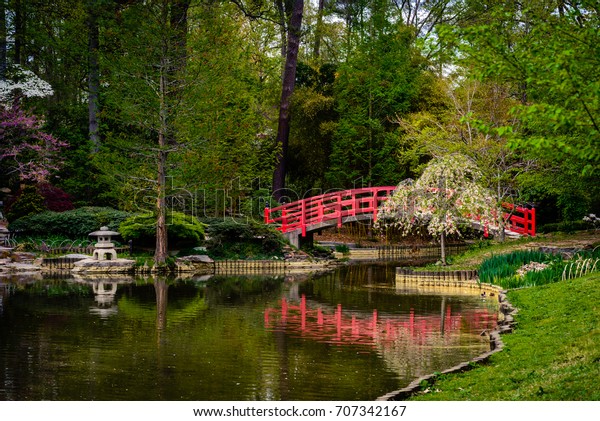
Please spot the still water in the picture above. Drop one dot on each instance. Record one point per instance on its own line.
(347, 335)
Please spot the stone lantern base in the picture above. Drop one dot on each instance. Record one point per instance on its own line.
(92, 266)
(104, 254)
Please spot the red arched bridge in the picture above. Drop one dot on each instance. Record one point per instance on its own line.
(305, 216)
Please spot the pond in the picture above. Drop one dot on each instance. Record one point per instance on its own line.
(346, 335)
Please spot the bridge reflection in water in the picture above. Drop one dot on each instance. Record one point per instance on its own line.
(335, 326)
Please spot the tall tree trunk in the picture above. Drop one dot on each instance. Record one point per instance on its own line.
(319, 30)
(19, 36)
(443, 248)
(289, 81)
(93, 75)
(161, 251)
(3, 48)
(173, 61)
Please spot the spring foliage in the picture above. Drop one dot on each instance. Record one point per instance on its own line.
(182, 228)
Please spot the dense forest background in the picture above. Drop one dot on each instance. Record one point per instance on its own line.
(215, 107)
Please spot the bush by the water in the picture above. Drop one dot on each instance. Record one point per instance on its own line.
(76, 223)
(243, 239)
(183, 230)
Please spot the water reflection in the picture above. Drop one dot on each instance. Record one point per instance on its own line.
(338, 327)
(348, 335)
(105, 292)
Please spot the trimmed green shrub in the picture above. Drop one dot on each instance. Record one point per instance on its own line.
(241, 239)
(76, 223)
(565, 226)
(183, 230)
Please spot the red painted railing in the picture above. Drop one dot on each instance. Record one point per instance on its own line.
(337, 206)
(520, 219)
(334, 206)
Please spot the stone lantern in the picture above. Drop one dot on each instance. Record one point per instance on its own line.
(4, 235)
(104, 248)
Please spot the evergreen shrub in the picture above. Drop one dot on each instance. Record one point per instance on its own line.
(29, 201)
(183, 230)
(564, 226)
(76, 223)
(243, 239)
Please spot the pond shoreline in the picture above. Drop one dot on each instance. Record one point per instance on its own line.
(496, 345)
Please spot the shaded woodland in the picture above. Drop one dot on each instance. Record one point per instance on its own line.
(217, 108)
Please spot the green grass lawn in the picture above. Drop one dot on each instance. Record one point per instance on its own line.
(553, 353)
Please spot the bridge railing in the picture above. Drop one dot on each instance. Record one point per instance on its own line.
(333, 206)
(520, 219)
(339, 205)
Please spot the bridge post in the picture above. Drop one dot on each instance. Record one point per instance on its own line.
(297, 240)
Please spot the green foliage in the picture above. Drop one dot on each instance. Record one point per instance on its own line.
(310, 145)
(228, 117)
(29, 202)
(555, 75)
(342, 248)
(509, 270)
(182, 229)
(76, 223)
(380, 80)
(564, 226)
(241, 239)
(317, 250)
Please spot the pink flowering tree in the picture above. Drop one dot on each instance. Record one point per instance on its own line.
(25, 149)
(446, 195)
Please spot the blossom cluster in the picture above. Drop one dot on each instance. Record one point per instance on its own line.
(29, 151)
(446, 195)
(592, 219)
(531, 267)
(23, 82)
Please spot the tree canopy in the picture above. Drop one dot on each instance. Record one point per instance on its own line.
(207, 107)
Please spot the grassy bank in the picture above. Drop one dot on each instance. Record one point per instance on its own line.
(482, 250)
(553, 354)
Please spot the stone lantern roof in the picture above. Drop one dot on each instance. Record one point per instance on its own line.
(103, 232)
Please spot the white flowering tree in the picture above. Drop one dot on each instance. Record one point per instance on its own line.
(21, 82)
(446, 195)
